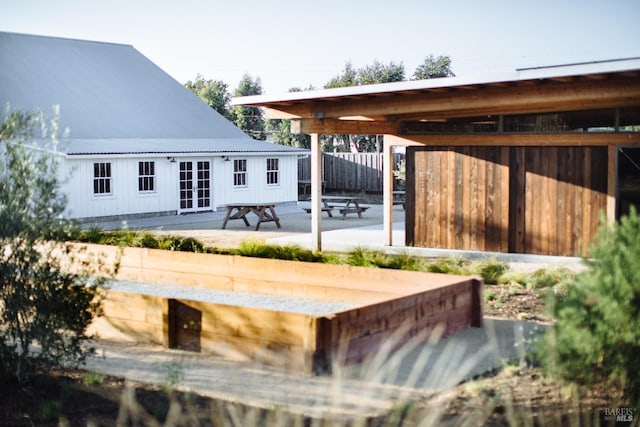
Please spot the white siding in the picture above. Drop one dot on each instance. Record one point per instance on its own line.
(257, 189)
(125, 199)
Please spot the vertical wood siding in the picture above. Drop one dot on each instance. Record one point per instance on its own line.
(460, 199)
(563, 195)
(538, 200)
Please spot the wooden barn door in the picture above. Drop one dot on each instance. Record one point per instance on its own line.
(536, 200)
(561, 193)
(460, 199)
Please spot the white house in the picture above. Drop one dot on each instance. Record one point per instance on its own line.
(139, 142)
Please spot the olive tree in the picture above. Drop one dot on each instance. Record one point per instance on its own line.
(45, 307)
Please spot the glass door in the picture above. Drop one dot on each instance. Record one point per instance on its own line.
(195, 186)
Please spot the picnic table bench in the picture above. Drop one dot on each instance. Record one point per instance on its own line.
(351, 205)
(399, 198)
(327, 209)
(264, 211)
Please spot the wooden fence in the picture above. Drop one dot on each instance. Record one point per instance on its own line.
(349, 171)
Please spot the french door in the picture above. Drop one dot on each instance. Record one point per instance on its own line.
(195, 186)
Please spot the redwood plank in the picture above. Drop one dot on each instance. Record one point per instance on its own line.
(466, 197)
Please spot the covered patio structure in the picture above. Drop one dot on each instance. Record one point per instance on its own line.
(524, 162)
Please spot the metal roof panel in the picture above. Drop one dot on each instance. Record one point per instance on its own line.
(169, 146)
(104, 90)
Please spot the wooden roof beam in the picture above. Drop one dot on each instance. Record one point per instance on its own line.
(518, 139)
(352, 127)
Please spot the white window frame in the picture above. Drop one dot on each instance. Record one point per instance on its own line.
(146, 176)
(102, 179)
(240, 175)
(273, 174)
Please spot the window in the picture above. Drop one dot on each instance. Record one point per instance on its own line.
(146, 177)
(273, 172)
(102, 178)
(240, 173)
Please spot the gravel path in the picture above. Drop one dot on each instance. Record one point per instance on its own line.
(241, 299)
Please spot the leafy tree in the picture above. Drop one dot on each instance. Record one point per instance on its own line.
(349, 77)
(597, 332)
(249, 119)
(375, 73)
(280, 129)
(214, 93)
(433, 67)
(378, 72)
(41, 303)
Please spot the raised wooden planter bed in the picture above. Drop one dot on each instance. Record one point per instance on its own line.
(170, 299)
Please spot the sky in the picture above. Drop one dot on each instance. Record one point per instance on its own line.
(298, 43)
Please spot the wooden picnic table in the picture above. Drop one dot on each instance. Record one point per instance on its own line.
(351, 205)
(264, 211)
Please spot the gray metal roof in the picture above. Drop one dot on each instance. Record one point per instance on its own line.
(169, 146)
(113, 95)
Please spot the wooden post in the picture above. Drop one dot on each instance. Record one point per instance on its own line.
(316, 192)
(612, 178)
(387, 191)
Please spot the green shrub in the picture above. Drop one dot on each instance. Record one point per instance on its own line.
(259, 249)
(183, 244)
(168, 243)
(92, 235)
(406, 261)
(148, 240)
(189, 244)
(361, 257)
(490, 269)
(548, 277)
(93, 378)
(333, 258)
(597, 334)
(450, 265)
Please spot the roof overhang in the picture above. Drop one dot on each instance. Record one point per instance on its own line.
(81, 148)
(379, 109)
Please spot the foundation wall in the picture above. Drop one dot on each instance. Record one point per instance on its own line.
(359, 333)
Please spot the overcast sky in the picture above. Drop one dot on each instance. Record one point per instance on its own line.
(298, 43)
